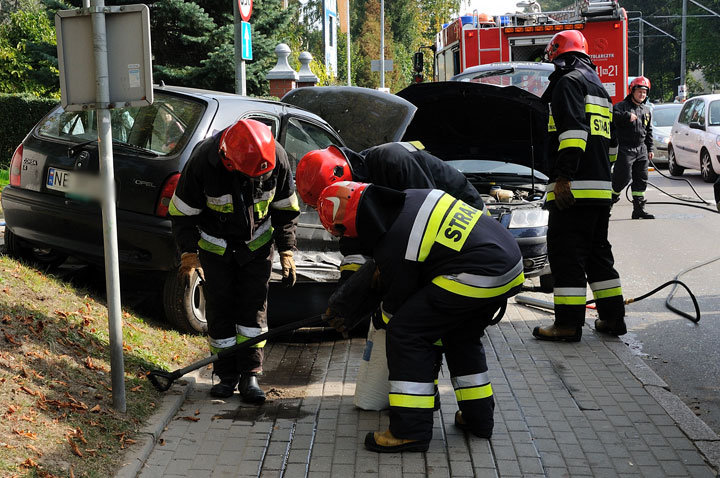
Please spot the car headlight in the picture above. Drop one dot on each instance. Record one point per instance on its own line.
(528, 218)
(665, 139)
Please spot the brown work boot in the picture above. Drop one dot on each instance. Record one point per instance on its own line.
(611, 328)
(554, 333)
(385, 442)
(462, 425)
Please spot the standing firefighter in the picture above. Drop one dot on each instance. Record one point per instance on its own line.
(579, 194)
(445, 270)
(397, 166)
(633, 120)
(235, 198)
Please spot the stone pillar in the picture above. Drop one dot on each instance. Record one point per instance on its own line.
(282, 78)
(305, 76)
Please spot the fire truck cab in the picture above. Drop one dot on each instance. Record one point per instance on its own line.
(521, 37)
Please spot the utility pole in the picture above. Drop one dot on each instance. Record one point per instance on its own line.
(641, 48)
(683, 47)
(382, 43)
(348, 41)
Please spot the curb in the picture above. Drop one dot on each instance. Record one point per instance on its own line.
(172, 400)
(703, 437)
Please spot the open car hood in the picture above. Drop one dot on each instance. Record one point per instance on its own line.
(471, 121)
(363, 117)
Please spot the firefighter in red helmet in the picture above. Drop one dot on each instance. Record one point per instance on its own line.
(633, 119)
(446, 272)
(234, 203)
(582, 145)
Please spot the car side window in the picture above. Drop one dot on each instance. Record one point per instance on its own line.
(302, 137)
(684, 117)
(698, 113)
(271, 122)
(714, 114)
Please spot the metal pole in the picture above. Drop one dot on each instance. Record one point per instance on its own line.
(641, 49)
(107, 175)
(683, 45)
(382, 43)
(348, 41)
(239, 62)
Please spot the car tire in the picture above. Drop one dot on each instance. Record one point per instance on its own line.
(39, 256)
(673, 167)
(706, 168)
(184, 302)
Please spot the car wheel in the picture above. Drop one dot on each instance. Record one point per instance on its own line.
(706, 167)
(40, 256)
(673, 167)
(184, 302)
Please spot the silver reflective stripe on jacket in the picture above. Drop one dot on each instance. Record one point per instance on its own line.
(418, 230)
(178, 207)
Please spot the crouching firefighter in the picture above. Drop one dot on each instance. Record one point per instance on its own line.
(445, 271)
(234, 202)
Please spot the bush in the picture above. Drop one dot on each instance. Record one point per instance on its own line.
(18, 114)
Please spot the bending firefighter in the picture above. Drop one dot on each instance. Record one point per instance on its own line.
(234, 202)
(445, 271)
(397, 166)
(579, 194)
(633, 121)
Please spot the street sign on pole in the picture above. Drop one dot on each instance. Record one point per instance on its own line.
(375, 65)
(246, 50)
(245, 7)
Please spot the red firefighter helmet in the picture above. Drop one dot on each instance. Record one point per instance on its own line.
(565, 42)
(485, 19)
(338, 205)
(248, 147)
(640, 82)
(319, 169)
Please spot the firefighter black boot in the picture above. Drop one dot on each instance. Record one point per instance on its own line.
(639, 209)
(226, 372)
(250, 390)
(556, 333)
(615, 328)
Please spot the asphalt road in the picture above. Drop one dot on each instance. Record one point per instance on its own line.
(650, 252)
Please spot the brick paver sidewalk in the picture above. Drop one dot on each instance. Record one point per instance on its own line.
(585, 409)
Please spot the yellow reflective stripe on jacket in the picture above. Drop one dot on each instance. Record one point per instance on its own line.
(585, 190)
(261, 236)
(573, 138)
(178, 207)
(212, 244)
(353, 262)
(386, 316)
(288, 204)
(261, 205)
(246, 333)
(350, 267)
(613, 152)
(218, 345)
(481, 287)
(551, 124)
(606, 288)
(569, 295)
(222, 203)
(412, 394)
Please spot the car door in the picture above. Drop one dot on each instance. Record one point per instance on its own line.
(680, 133)
(695, 134)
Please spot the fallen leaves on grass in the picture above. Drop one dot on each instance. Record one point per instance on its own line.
(89, 363)
(25, 433)
(73, 446)
(190, 419)
(34, 449)
(10, 339)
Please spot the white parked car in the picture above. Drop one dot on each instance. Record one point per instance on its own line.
(695, 138)
(663, 118)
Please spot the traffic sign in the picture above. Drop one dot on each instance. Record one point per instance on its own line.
(245, 9)
(246, 50)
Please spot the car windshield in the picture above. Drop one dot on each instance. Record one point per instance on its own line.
(529, 79)
(666, 116)
(714, 116)
(161, 128)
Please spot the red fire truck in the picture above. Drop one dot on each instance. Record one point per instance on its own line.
(480, 39)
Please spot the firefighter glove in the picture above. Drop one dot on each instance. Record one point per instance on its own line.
(563, 194)
(288, 268)
(189, 263)
(336, 322)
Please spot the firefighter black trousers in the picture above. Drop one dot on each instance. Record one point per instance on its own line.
(632, 163)
(580, 254)
(430, 314)
(235, 292)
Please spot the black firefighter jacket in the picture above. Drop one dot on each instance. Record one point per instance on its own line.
(582, 141)
(632, 134)
(216, 210)
(441, 240)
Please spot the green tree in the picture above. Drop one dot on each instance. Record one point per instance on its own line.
(28, 52)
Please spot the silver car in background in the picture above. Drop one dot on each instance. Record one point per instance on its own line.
(663, 117)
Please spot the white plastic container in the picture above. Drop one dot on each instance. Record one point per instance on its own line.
(372, 386)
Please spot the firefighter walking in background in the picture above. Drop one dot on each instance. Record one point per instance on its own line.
(445, 271)
(234, 202)
(582, 144)
(633, 123)
(397, 166)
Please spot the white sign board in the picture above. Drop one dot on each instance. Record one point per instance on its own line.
(375, 65)
(128, 52)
